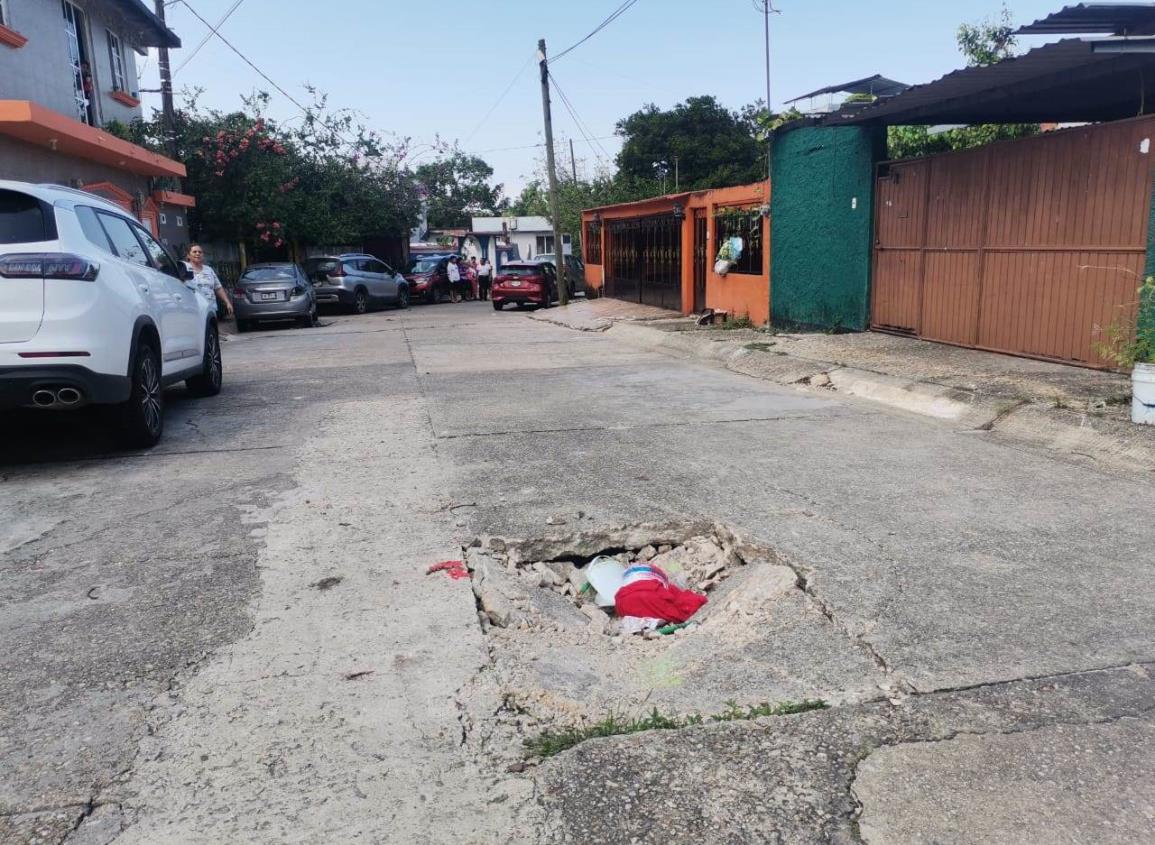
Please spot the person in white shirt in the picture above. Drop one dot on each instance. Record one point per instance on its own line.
(484, 278)
(205, 281)
(454, 273)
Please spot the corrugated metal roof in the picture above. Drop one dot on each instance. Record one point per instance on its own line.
(878, 85)
(1088, 18)
(1062, 82)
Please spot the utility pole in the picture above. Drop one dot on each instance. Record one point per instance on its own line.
(675, 174)
(766, 9)
(559, 258)
(572, 160)
(167, 109)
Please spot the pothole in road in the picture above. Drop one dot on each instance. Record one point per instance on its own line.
(559, 661)
(694, 565)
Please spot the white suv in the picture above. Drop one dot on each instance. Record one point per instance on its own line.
(94, 311)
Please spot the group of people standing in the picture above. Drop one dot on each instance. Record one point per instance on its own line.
(469, 279)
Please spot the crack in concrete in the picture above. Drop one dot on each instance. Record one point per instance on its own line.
(1141, 665)
(857, 805)
(642, 426)
(1002, 415)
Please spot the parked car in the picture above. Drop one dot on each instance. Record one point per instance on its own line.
(94, 311)
(274, 291)
(575, 271)
(524, 283)
(428, 278)
(356, 281)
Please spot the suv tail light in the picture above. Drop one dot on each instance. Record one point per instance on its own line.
(339, 270)
(48, 265)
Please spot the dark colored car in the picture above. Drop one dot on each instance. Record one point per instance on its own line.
(428, 278)
(575, 271)
(524, 283)
(274, 291)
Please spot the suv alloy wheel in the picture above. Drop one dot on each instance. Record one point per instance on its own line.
(142, 416)
(208, 382)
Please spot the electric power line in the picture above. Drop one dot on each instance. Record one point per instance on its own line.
(533, 146)
(499, 100)
(207, 38)
(578, 121)
(245, 58)
(613, 16)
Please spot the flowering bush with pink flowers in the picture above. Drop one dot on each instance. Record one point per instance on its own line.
(320, 179)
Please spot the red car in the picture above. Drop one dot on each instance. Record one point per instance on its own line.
(428, 278)
(524, 282)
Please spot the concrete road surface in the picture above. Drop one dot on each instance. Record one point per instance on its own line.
(233, 639)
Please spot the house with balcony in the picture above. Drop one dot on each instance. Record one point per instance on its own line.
(67, 69)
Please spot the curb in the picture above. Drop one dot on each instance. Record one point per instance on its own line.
(1077, 436)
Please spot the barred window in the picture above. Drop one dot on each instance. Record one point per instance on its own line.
(593, 243)
(116, 62)
(746, 223)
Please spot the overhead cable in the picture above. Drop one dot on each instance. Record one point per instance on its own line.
(613, 16)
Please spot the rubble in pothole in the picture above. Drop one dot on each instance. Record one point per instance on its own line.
(700, 562)
(558, 659)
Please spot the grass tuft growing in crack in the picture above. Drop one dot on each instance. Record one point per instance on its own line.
(549, 743)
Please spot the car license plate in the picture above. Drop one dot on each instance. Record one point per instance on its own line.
(268, 296)
(515, 284)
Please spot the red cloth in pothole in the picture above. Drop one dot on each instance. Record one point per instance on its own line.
(657, 600)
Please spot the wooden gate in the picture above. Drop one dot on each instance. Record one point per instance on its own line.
(644, 260)
(1026, 247)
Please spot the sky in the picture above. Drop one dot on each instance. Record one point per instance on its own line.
(439, 69)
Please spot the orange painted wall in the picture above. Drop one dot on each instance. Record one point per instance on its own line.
(738, 294)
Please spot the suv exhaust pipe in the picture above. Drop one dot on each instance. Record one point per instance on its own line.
(44, 398)
(68, 396)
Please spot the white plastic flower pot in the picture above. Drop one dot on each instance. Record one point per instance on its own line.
(1143, 394)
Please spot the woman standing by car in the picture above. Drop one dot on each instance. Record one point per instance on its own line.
(205, 281)
(469, 275)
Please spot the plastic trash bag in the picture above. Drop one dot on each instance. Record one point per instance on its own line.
(729, 254)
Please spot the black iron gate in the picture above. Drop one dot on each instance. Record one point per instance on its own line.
(700, 249)
(645, 261)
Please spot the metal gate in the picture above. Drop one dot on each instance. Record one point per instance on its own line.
(645, 261)
(1024, 246)
(700, 250)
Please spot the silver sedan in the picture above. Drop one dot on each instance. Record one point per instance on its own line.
(274, 291)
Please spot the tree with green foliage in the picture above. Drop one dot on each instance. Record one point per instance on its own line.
(457, 187)
(985, 43)
(714, 146)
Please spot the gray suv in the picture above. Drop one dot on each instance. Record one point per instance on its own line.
(356, 281)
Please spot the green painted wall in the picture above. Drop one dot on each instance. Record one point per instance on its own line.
(822, 212)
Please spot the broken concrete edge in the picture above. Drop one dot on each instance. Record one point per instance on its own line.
(838, 741)
(550, 743)
(584, 544)
(1072, 434)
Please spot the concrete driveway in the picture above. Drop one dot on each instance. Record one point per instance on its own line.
(233, 638)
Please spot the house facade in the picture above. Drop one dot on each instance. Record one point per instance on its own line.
(67, 70)
(662, 251)
(502, 239)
